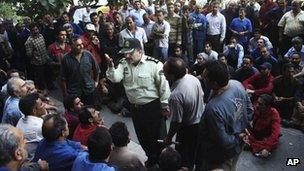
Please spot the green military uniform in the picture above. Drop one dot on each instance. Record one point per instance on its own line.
(144, 82)
(148, 91)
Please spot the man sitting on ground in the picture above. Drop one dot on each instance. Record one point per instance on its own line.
(89, 120)
(99, 148)
(31, 124)
(264, 136)
(261, 83)
(59, 152)
(121, 156)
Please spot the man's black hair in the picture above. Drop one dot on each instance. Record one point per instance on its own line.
(176, 67)
(33, 25)
(84, 115)
(120, 134)
(52, 130)
(99, 144)
(170, 160)
(248, 57)
(267, 99)
(28, 103)
(68, 102)
(93, 14)
(217, 72)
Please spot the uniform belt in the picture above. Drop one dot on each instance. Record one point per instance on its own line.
(144, 105)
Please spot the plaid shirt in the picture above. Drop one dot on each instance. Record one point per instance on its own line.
(36, 50)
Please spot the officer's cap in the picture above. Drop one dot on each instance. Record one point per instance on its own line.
(130, 45)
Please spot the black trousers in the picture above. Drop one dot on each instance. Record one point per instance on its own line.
(215, 42)
(149, 127)
(188, 138)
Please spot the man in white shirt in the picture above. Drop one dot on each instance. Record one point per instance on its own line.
(31, 124)
(147, 26)
(160, 34)
(291, 25)
(216, 28)
(132, 31)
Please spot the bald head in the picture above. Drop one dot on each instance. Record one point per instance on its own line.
(174, 69)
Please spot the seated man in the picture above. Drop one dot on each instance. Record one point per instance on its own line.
(246, 70)
(253, 42)
(89, 120)
(170, 160)
(178, 54)
(72, 105)
(99, 148)
(267, 57)
(261, 83)
(297, 119)
(59, 152)
(284, 89)
(12, 148)
(264, 135)
(31, 124)
(223, 58)
(16, 89)
(297, 47)
(234, 52)
(121, 156)
(296, 61)
(209, 54)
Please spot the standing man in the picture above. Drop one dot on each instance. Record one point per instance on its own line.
(216, 29)
(222, 127)
(291, 25)
(198, 23)
(186, 108)
(132, 31)
(36, 50)
(175, 21)
(160, 34)
(138, 13)
(79, 73)
(148, 92)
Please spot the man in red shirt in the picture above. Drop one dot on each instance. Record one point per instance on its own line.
(89, 120)
(59, 48)
(91, 42)
(264, 136)
(261, 83)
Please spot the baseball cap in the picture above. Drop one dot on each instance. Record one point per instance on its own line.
(266, 65)
(130, 45)
(90, 27)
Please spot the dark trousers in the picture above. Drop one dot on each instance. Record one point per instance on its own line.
(188, 138)
(41, 75)
(149, 127)
(215, 42)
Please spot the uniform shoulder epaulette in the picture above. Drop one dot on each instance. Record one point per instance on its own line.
(152, 59)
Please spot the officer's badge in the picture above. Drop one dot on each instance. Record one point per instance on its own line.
(127, 44)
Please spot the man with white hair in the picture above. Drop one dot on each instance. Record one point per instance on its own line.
(16, 88)
(12, 148)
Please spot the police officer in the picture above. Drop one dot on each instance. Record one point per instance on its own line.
(148, 92)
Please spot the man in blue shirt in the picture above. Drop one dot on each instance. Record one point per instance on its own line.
(198, 24)
(99, 148)
(16, 89)
(267, 57)
(59, 152)
(241, 28)
(226, 116)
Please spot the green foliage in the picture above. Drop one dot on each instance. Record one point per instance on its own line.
(7, 11)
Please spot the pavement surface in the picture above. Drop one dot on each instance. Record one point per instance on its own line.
(291, 145)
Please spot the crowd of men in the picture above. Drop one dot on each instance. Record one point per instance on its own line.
(227, 75)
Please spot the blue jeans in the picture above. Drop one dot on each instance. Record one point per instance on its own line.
(160, 53)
